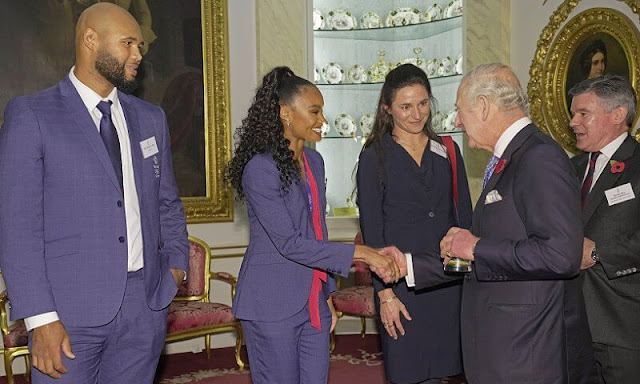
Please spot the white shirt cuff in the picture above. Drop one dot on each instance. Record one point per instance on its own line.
(410, 278)
(36, 321)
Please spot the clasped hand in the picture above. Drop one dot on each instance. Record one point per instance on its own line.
(388, 263)
(458, 243)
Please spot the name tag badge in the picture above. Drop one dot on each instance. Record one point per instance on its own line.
(149, 147)
(438, 149)
(619, 194)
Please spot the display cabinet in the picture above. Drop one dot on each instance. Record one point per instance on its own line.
(355, 43)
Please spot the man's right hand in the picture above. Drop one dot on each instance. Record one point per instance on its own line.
(46, 344)
(398, 256)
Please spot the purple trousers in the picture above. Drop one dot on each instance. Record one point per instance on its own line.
(289, 351)
(125, 350)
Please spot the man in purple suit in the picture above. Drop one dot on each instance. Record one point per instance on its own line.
(93, 239)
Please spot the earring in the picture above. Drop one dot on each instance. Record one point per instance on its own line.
(288, 123)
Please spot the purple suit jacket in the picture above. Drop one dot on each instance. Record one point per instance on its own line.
(62, 217)
(275, 277)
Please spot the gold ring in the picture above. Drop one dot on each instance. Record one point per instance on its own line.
(448, 254)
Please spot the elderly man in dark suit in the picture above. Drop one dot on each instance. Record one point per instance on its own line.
(523, 317)
(603, 111)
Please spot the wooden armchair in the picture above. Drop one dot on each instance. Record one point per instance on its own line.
(14, 338)
(191, 314)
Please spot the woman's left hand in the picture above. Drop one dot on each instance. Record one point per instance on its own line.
(334, 315)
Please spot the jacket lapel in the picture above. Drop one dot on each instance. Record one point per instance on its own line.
(85, 123)
(607, 179)
(515, 144)
(133, 126)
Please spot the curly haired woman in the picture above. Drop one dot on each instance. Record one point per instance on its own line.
(284, 285)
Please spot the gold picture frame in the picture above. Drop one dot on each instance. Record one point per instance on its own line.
(217, 204)
(559, 56)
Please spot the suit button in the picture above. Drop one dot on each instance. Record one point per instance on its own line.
(121, 239)
(618, 273)
(119, 203)
(431, 214)
(634, 270)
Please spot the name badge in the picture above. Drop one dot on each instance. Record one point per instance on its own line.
(438, 149)
(619, 194)
(149, 147)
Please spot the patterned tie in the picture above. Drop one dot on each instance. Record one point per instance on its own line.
(489, 170)
(110, 138)
(586, 185)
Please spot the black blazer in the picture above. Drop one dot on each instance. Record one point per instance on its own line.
(612, 287)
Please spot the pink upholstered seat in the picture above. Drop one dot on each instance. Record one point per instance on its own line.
(17, 336)
(356, 300)
(190, 315)
(14, 338)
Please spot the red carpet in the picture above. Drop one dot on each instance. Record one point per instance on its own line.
(355, 360)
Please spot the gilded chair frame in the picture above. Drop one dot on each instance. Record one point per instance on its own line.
(11, 352)
(204, 297)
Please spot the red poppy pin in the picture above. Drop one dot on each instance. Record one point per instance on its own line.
(500, 166)
(617, 166)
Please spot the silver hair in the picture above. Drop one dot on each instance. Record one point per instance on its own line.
(614, 91)
(498, 83)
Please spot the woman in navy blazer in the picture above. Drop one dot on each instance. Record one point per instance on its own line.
(284, 285)
(406, 198)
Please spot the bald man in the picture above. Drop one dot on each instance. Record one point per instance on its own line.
(93, 240)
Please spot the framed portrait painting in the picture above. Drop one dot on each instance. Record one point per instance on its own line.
(184, 70)
(595, 42)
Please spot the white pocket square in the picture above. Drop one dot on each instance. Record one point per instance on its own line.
(492, 197)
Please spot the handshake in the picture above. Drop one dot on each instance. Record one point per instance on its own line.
(388, 263)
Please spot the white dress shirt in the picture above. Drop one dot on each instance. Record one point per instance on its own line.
(502, 144)
(131, 206)
(606, 154)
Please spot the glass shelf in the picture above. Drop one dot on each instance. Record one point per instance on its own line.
(360, 139)
(435, 81)
(404, 32)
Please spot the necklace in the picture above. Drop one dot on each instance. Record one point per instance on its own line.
(412, 147)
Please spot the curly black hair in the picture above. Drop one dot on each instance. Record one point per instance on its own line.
(262, 131)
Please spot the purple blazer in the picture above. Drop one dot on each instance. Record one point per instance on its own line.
(62, 221)
(275, 277)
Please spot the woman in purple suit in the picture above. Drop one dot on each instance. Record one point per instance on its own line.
(284, 285)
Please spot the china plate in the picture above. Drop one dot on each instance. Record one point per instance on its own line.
(341, 19)
(447, 67)
(453, 9)
(402, 16)
(436, 121)
(345, 125)
(316, 75)
(324, 131)
(431, 67)
(366, 123)
(357, 74)
(333, 73)
(417, 61)
(449, 122)
(458, 64)
(370, 20)
(433, 13)
(318, 19)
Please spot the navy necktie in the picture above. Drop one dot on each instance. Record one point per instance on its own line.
(588, 181)
(110, 138)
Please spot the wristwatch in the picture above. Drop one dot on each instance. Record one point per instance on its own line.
(594, 254)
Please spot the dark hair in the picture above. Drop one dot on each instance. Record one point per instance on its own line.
(262, 131)
(614, 91)
(403, 76)
(587, 56)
